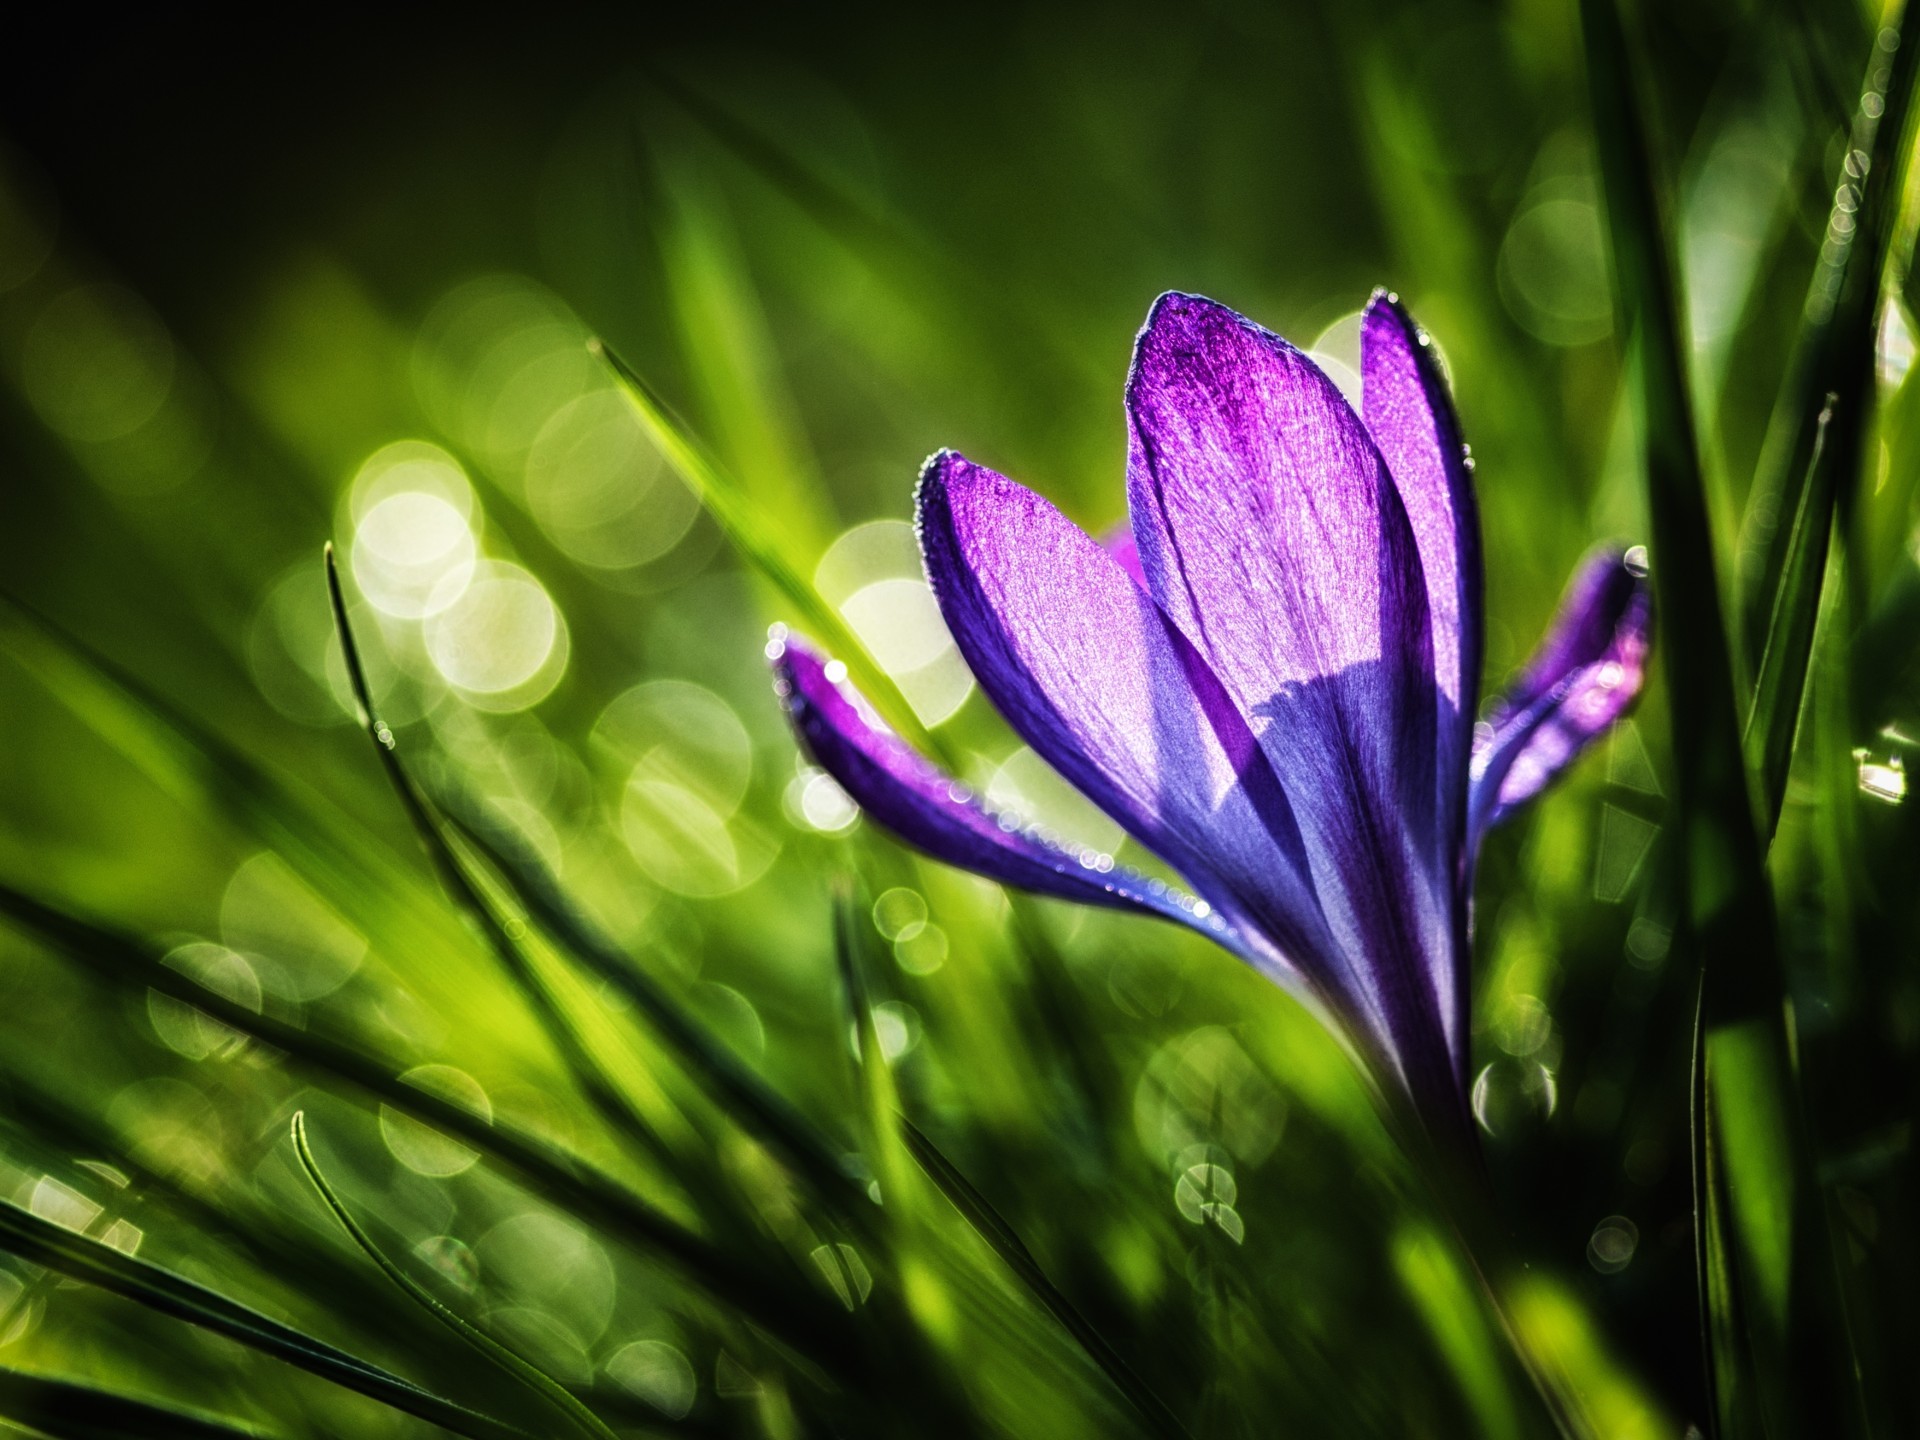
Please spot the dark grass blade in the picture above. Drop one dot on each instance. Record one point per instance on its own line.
(1782, 1277)
(1012, 1250)
(576, 1416)
(79, 1257)
(1822, 422)
(1729, 1404)
(742, 1093)
(72, 1410)
(607, 1098)
(771, 1297)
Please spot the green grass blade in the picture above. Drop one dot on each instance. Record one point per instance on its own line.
(899, 1182)
(41, 1125)
(82, 1258)
(1757, 1140)
(756, 536)
(608, 1098)
(1822, 422)
(796, 1316)
(71, 1410)
(743, 1093)
(576, 1415)
(1005, 1242)
(730, 355)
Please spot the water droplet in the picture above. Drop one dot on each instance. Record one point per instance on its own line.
(1883, 780)
(1512, 1097)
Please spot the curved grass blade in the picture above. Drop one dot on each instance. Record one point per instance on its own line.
(80, 1257)
(1784, 1274)
(792, 1314)
(70, 1410)
(612, 1102)
(1815, 448)
(897, 1178)
(1005, 1242)
(39, 1126)
(754, 534)
(576, 1415)
(747, 1098)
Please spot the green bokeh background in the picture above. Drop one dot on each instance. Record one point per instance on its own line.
(236, 265)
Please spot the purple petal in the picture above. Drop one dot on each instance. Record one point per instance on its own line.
(1270, 531)
(1126, 553)
(931, 810)
(1410, 416)
(1585, 674)
(1088, 671)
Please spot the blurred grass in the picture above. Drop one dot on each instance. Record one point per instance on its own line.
(639, 1153)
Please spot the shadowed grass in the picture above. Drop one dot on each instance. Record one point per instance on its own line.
(1779, 1279)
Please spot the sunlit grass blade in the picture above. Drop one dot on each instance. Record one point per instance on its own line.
(1005, 1242)
(757, 537)
(80, 1257)
(1756, 1137)
(1822, 422)
(1730, 1397)
(612, 1101)
(730, 355)
(1447, 1300)
(72, 1410)
(899, 1182)
(746, 1097)
(770, 1298)
(564, 1403)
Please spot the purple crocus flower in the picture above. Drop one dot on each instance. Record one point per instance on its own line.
(1270, 682)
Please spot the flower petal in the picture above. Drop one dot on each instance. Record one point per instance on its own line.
(1585, 674)
(931, 810)
(1088, 671)
(1410, 416)
(1270, 531)
(1125, 551)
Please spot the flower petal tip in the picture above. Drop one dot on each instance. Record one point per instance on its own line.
(1586, 674)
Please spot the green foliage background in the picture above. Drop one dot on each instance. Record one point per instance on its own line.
(832, 242)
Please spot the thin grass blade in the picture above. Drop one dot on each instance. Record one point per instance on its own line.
(576, 1415)
(787, 1311)
(730, 355)
(743, 1093)
(82, 1258)
(988, 1223)
(613, 1102)
(71, 1410)
(1815, 451)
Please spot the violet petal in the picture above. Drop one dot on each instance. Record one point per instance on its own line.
(1270, 531)
(1588, 669)
(1410, 415)
(934, 812)
(1089, 672)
